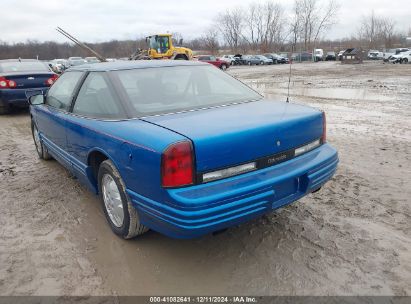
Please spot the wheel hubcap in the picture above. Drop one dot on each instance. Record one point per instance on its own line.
(112, 200)
(37, 140)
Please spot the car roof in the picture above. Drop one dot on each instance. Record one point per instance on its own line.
(133, 64)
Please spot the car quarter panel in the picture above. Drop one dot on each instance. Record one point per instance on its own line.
(134, 146)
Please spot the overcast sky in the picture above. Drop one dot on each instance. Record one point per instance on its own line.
(101, 20)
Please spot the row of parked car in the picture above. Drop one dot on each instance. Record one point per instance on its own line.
(264, 59)
(60, 65)
(398, 55)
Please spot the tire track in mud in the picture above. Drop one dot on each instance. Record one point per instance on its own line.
(36, 256)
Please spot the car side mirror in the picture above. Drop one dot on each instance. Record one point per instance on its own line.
(37, 99)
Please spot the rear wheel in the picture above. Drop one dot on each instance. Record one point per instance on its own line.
(224, 67)
(261, 62)
(249, 63)
(41, 150)
(120, 214)
(405, 60)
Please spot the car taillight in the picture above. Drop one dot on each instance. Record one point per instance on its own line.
(49, 82)
(177, 165)
(6, 83)
(324, 137)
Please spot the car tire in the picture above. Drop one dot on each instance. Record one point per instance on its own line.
(249, 63)
(224, 67)
(405, 60)
(38, 143)
(262, 62)
(113, 190)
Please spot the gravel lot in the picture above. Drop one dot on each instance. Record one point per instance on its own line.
(352, 237)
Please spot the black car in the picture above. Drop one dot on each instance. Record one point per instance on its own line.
(304, 56)
(330, 56)
(239, 59)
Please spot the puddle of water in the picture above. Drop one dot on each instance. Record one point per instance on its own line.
(332, 93)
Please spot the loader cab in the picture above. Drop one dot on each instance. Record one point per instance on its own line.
(160, 46)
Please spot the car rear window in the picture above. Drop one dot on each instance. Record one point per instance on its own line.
(181, 88)
(17, 66)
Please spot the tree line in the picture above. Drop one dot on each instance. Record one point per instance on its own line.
(257, 27)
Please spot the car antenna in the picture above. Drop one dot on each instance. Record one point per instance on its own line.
(289, 75)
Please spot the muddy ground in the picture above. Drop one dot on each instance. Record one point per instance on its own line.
(352, 237)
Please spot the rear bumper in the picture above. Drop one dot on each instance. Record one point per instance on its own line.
(197, 210)
(17, 97)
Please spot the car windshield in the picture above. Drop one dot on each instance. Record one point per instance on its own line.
(23, 66)
(182, 88)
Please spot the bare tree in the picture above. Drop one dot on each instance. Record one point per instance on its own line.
(295, 26)
(311, 20)
(387, 31)
(210, 41)
(377, 31)
(327, 19)
(231, 24)
(264, 25)
(369, 30)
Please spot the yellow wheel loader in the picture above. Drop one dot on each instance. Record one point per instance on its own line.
(161, 47)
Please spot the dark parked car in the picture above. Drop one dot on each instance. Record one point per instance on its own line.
(19, 77)
(331, 56)
(222, 64)
(264, 60)
(304, 56)
(251, 60)
(179, 146)
(276, 58)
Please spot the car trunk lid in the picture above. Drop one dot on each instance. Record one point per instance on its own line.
(26, 80)
(231, 135)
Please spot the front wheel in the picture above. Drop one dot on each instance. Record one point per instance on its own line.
(41, 150)
(224, 67)
(120, 214)
(261, 62)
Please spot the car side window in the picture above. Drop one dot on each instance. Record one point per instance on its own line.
(61, 93)
(95, 99)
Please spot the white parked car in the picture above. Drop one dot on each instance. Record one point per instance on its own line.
(59, 65)
(405, 57)
(319, 54)
(400, 57)
(375, 55)
(391, 52)
(228, 58)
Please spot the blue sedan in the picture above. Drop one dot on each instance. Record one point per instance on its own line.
(18, 77)
(179, 147)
